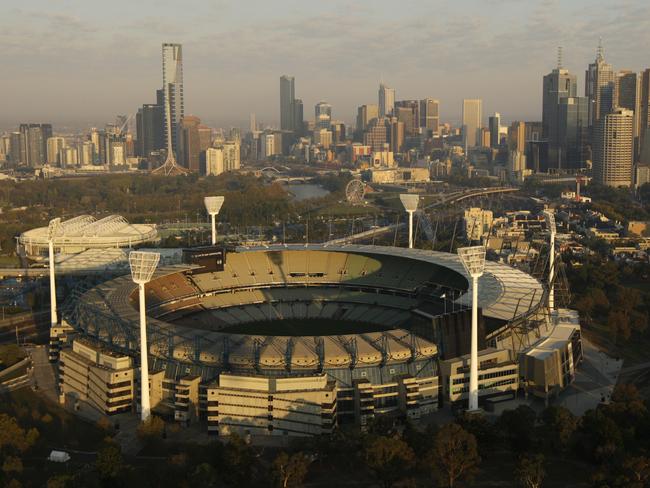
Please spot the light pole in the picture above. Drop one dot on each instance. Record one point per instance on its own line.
(53, 231)
(143, 264)
(552, 228)
(212, 206)
(410, 202)
(473, 259)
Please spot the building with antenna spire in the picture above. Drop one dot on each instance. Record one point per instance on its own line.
(599, 86)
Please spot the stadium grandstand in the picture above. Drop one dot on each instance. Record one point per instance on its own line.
(294, 340)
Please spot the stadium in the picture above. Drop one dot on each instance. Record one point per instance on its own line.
(296, 339)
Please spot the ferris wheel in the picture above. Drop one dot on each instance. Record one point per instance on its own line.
(354, 191)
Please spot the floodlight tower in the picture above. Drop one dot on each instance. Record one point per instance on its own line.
(212, 206)
(552, 228)
(473, 259)
(410, 202)
(54, 230)
(143, 264)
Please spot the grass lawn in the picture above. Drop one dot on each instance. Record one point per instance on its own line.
(9, 262)
(10, 354)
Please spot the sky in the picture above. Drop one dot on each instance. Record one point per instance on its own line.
(81, 62)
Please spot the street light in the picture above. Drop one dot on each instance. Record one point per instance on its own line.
(473, 259)
(54, 230)
(143, 264)
(552, 228)
(410, 202)
(212, 206)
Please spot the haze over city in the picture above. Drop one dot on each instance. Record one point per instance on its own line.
(75, 64)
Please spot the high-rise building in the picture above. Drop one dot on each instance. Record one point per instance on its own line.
(430, 115)
(613, 146)
(644, 117)
(190, 143)
(15, 148)
(231, 155)
(517, 136)
(472, 121)
(396, 135)
(627, 94)
(386, 100)
(558, 85)
(322, 115)
(252, 123)
(150, 126)
(33, 143)
(298, 116)
(494, 125)
(377, 134)
(54, 145)
(599, 87)
(287, 100)
(573, 133)
(172, 57)
(214, 164)
(408, 111)
(365, 113)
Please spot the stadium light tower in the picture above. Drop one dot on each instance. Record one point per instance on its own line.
(552, 228)
(212, 206)
(473, 259)
(410, 202)
(54, 230)
(143, 264)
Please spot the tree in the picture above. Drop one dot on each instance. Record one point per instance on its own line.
(637, 471)
(13, 436)
(12, 464)
(530, 471)
(151, 429)
(518, 426)
(599, 436)
(290, 470)
(109, 462)
(559, 425)
(454, 456)
(389, 458)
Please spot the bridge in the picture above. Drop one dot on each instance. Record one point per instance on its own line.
(420, 214)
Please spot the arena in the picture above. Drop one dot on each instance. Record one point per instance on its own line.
(294, 340)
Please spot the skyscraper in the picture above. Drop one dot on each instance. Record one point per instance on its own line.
(190, 143)
(408, 111)
(494, 124)
(298, 116)
(386, 100)
(430, 115)
(573, 132)
(627, 94)
(287, 100)
(252, 124)
(558, 85)
(322, 115)
(172, 57)
(644, 117)
(54, 145)
(365, 113)
(33, 143)
(599, 87)
(150, 126)
(613, 144)
(472, 121)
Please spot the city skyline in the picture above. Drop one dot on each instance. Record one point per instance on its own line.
(228, 75)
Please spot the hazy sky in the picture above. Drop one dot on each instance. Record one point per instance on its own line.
(83, 61)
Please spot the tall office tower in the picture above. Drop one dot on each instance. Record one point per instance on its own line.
(386, 100)
(322, 115)
(408, 111)
(54, 145)
(627, 94)
(33, 143)
(494, 125)
(214, 164)
(5, 147)
(517, 136)
(231, 155)
(557, 85)
(338, 132)
(252, 123)
(430, 115)
(644, 117)
(472, 121)
(172, 57)
(190, 143)
(14, 154)
(86, 153)
(573, 132)
(599, 87)
(205, 137)
(150, 126)
(287, 100)
(377, 134)
(365, 113)
(298, 117)
(396, 135)
(613, 145)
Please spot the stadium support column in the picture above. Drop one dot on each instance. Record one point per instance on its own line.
(473, 259)
(143, 265)
(213, 206)
(53, 231)
(410, 202)
(552, 228)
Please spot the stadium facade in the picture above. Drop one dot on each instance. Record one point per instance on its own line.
(294, 340)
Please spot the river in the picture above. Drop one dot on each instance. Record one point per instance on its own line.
(305, 191)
